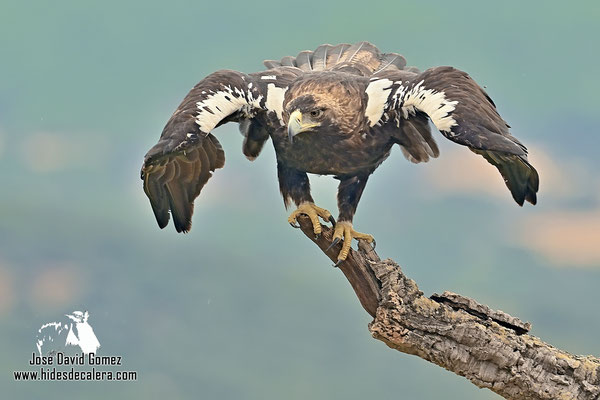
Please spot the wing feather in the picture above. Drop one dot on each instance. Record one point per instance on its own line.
(181, 208)
(211, 152)
(519, 176)
(421, 144)
(176, 169)
(204, 173)
(157, 194)
(463, 112)
(414, 137)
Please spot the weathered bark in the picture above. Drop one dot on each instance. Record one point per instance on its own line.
(490, 348)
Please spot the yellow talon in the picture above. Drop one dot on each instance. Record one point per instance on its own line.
(344, 230)
(313, 213)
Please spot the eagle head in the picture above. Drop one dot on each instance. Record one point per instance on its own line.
(322, 104)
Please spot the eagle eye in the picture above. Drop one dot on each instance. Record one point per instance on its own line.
(316, 113)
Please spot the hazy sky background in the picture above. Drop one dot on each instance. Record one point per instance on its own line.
(245, 307)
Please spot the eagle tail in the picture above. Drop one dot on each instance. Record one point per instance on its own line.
(390, 61)
(362, 56)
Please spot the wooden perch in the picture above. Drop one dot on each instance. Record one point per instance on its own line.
(490, 348)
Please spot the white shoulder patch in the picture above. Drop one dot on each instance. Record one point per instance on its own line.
(217, 106)
(377, 93)
(274, 100)
(432, 103)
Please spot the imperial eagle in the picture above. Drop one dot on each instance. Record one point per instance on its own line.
(337, 111)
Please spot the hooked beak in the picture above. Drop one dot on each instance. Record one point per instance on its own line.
(296, 125)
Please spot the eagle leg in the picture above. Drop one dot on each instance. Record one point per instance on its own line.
(294, 186)
(344, 230)
(349, 194)
(313, 212)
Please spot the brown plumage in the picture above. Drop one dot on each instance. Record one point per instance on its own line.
(339, 111)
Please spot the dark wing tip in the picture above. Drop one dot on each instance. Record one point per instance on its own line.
(532, 199)
(533, 186)
(166, 186)
(182, 225)
(173, 182)
(155, 191)
(520, 177)
(526, 181)
(181, 208)
(161, 214)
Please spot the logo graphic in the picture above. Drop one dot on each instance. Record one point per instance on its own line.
(74, 331)
(67, 352)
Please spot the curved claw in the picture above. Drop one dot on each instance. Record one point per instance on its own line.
(333, 243)
(337, 264)
(295, 225)
(332, 220)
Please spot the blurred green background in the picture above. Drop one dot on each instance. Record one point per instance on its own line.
(245, 307)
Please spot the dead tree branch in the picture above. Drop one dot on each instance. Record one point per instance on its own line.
(490, 348)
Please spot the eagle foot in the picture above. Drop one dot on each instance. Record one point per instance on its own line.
(344, 230)
(313, 213)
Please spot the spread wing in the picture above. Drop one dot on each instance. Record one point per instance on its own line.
(461, 110)
(176, 169)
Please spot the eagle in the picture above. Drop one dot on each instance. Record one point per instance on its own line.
(337, 110)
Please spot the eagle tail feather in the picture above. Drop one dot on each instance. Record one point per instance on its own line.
(288, 61)
(364, 56)
(272, 64)
(304, 61)
(391, 61)
(319, 57)
(336, 53)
